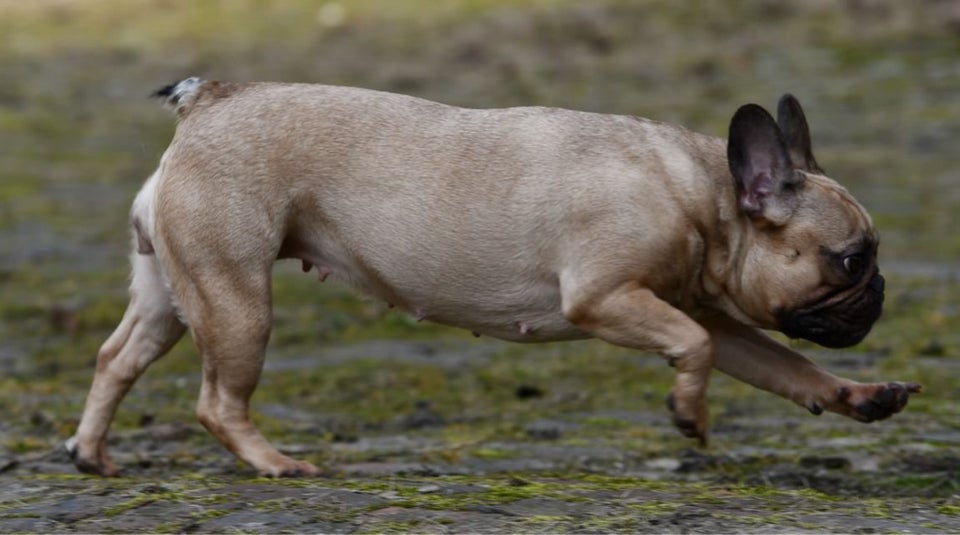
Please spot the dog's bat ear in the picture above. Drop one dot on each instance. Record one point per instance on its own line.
(765, 179)
(796, 134)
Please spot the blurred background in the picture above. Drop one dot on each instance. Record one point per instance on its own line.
(879, 79)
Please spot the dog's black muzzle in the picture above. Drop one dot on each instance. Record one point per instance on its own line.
(839, 320)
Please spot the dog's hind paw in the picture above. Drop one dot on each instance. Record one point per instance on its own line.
(291, 468)
(102, 465)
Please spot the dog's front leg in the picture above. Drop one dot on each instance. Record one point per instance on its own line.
(633, 316)
(753, 357)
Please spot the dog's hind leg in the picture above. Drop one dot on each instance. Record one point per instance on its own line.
(228, 306)
(149, 328)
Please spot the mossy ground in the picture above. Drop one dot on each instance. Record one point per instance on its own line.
(424, 428)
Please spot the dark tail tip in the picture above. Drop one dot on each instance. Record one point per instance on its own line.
(165, 92)
(178, 96)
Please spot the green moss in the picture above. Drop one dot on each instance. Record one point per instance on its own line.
(20, 515)
(655, 508)
(544, 519)
(179, 490)
(914, 482)
(134, 502)
(611, 524)
(391, 526)
(492, 453)
(26, 444)
(949, 509)
(605, 423)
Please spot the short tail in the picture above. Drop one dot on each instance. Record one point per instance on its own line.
(179, 96)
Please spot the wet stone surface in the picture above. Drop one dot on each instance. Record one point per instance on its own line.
(772, 468)
(583, 471)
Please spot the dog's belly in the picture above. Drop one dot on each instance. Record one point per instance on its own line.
(522, 311)
(507, 301)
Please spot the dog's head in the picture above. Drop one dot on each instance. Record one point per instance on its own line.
(808, 265)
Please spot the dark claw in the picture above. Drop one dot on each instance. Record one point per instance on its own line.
(815, 408)
(687, 427)
(83, 466)
(91, 468)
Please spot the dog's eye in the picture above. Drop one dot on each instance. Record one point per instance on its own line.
(854, 265)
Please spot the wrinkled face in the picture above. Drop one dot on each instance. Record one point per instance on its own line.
(815, 277)
(808, 263)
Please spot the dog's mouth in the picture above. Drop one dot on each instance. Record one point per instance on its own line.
(839, 320)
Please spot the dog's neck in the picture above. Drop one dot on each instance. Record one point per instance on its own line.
(724, 231)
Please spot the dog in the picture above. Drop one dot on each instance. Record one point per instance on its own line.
(527, 224)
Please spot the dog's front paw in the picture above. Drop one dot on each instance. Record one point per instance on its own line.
(692, 421)
(880, 401)
(874, 401)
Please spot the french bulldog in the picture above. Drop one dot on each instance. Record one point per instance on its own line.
(528, 224)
